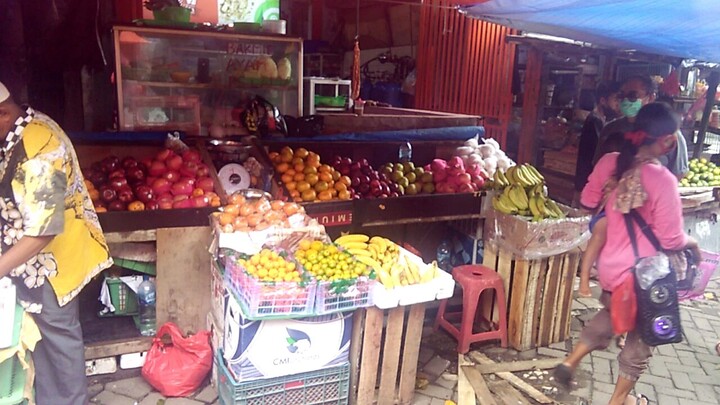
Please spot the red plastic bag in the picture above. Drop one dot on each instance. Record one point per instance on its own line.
(623, 305)
(178, 369)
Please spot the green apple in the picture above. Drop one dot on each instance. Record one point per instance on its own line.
(409, 167)
(404, 182)
(428, 188)
(419, 171)
(396, 176)
(411, 177)
(411, 189)
(427, 178)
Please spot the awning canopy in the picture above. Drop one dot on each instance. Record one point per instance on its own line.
(687, 29)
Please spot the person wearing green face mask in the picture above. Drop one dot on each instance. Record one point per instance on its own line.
(636, 92)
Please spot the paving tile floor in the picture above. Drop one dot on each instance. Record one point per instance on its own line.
(685, 373)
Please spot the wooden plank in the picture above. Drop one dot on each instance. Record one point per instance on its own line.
(476, 380)
(547, 312)
(531, 305)
(514, 366)
(570, 270)
(514, 380)
(487, 300)
(466, 395)
(145, 235)
(413, 334)
(539, 300)
(183, 277)
(517, 311)
(391, 355)
(505, 271)
(506, 394)
(117, 347)
(370, 356)
(356, 352)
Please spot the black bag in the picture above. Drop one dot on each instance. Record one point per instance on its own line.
(262, 117)
(658, 315)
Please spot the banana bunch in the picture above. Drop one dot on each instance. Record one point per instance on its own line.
(523, 193)
(393, 267)
(542, 207)
(524, 175)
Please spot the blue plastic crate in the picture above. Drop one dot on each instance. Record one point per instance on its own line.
(330, 386)
(12, 382)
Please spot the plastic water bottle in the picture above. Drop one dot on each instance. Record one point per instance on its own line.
(405, 152)
(146, 305)
(444, 255)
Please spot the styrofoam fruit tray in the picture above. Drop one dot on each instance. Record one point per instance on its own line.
(439, 288)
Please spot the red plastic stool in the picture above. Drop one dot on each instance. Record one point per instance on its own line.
(474, 279)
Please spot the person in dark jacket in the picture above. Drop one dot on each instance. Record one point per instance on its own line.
(605, 109)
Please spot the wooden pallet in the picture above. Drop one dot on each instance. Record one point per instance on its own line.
(398, 339)
(539, 295)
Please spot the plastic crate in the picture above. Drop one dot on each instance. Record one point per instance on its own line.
(148, 268)
(12, 382)
(123, 298)
(269, 299)
(330, 386)
(343, 295)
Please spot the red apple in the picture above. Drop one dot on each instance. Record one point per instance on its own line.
(135, 173)
(191, 155)
(174, 162)
(117, 173)
(165, 196)
(165, 203)
(126, 195)
(116, 206)
(182, 204)
(171, 175)
(181, 188)
(108, 194)
(189, 169)
(152, 205)
(144, 193)
(180, 197)
(118, 182)
(157, 169)
(164, 154)
(203, 170)
(161, 186)
(129, 162)
(200, 201)
(146, 162)
(205, 183)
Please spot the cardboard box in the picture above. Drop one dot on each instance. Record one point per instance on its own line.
(279, 347)
(535, 240)
(218, 293)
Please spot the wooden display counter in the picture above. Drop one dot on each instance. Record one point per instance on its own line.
(392, 118)
(701, 210)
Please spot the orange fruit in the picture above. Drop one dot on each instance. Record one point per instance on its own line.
(299, 168)
(333, 192)
(286, 178)
(286, 149)
(308, 195)
(89, 185)
(303, 186)
(298, 199)
(94, 194)
(245, 210)
(254, 219)
(325, 168)
(236, 199)
(310, 170)
(291, 171)
(321, 186)
(344, 195)
(340, 186)
(277, 205)
(292, 185)
(299, 177)
(336, 175)
(291, 208)
(294, 193)
(282, 167)
(312, 179)
(239, 222)
(313, 163)
(297, 161)
(286, 157)
(231, 209)
(345, 180)
(324, 196)
(301, 153)
(224, 218)
(324, 176)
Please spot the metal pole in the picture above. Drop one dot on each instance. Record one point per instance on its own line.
(709, 103)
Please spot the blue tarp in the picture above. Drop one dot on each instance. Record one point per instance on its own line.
(431, 134)
(687, 29)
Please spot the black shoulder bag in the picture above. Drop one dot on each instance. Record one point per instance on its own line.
(658, 315)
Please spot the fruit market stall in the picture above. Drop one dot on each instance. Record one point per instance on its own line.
(291, 305)
(700, 196)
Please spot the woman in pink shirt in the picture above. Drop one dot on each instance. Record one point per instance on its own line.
(631, 179)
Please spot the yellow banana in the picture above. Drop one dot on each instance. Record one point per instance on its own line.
(536, 172)
(510, 174)
(526, 179)
(380, 243)
(518, 197)
(360, 252)
(503, 179)
(499, 206)
(530, 174)
(385, 279)
(534, 209)
(558, 213)
(357, 237)
(355, 245)
(374, 264)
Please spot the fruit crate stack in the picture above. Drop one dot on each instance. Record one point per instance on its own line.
(274, 347)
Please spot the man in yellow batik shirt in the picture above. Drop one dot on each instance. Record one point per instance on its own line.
(51, 243)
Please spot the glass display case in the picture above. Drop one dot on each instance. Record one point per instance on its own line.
(172, 79)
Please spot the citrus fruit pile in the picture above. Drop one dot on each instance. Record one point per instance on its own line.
(326, 262)
(307, 179)
(703, 173)
(242, 215)
(271, 266)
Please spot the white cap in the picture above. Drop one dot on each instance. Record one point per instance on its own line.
(4, 93)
